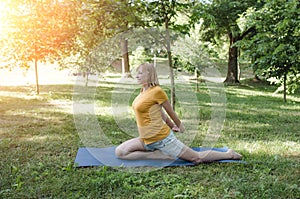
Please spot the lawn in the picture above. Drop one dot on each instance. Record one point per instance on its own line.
(39, 141)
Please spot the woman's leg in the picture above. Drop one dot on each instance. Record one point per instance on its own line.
(208, 156)
(134, 149)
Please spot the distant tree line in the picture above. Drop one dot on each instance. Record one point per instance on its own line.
(263, 33)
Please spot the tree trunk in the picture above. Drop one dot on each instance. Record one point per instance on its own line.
(36, 76)
(125, 58)
(168, 44)
(284, 87)
(172, 80)
(197, 79)
(233, 66)
(86, 78)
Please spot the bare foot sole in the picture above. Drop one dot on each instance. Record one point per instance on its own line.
(234, 155)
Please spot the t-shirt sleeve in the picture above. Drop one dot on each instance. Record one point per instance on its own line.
(160, 95)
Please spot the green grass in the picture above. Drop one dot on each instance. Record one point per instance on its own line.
(39, 141)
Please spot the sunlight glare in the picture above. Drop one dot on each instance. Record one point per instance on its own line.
(48, 74)
(2, 17)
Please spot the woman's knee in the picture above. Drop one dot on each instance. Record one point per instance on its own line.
(128, 147)
(120, 152)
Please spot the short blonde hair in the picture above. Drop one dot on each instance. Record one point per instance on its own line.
(153, 79)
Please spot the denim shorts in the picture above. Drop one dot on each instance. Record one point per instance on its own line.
(169, 146)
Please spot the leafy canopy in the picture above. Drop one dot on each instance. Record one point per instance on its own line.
(37, 30)
(275, 48)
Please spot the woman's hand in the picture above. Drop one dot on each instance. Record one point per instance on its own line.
(180, 129)
(175, 128)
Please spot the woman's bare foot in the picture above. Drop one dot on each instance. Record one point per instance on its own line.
(234, 155)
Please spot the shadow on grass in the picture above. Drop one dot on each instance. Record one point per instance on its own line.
(263, 117)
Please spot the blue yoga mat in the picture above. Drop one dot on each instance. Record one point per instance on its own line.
(88, 157)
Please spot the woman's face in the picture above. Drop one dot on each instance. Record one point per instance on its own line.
(142, 76)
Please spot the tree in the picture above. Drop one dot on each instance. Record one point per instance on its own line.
(99, 21)
(38, 30)
(192, 54)
(161, 13)
(220, 18)
(276, 46)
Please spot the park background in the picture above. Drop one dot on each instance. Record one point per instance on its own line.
(255, 49)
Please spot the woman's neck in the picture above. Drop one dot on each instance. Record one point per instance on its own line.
(145, 87)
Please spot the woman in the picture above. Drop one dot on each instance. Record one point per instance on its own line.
(156, 138)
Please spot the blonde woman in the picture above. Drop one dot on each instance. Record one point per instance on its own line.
(156, 138)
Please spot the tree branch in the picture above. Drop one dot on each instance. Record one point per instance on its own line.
(250, 30)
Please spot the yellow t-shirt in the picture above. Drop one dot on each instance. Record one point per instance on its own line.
(147, 108)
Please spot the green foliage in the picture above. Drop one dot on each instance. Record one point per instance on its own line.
(139, 56)
(158, 12)
(220, 17)
(37, 30)
(275, 48)
(165, 16)
(98, 21)
(191, 53)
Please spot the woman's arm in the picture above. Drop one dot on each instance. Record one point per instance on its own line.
(167, 106)
(167, 120)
